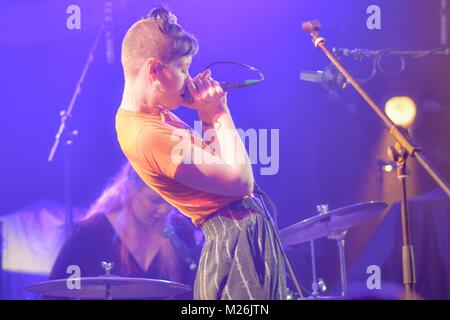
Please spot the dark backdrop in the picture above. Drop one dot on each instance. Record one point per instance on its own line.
(329, 142)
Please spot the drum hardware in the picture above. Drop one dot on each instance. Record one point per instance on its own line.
(334, 225)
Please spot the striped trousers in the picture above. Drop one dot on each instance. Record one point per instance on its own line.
(240, 259)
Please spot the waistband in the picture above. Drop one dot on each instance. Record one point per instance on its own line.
(239, 209)
(251, 203)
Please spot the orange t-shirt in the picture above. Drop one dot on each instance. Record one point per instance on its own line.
(148, 141)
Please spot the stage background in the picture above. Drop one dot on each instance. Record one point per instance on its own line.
(330, 144)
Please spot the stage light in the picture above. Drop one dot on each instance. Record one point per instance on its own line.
(401, 110)
(385, 166)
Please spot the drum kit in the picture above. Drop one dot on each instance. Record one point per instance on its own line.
(108, 287)
(333, 224)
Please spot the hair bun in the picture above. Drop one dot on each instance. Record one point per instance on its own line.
(166, 20)
(172, 18)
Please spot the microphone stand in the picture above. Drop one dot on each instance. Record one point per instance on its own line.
(65, 115)
(183, 251)
(390, 52)
(406, 148)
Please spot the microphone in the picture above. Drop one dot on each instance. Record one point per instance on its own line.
(183, 251)
(108, 19)
(226, 86)
(311, 26)
(330, 78)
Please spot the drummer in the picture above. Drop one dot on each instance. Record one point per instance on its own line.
(134, 228)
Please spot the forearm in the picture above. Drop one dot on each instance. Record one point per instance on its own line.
(228, 146)
(230, 160)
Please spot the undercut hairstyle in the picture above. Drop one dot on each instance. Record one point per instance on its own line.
(157, 35)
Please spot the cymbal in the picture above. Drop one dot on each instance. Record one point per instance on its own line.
(110, 287)
(336, 220)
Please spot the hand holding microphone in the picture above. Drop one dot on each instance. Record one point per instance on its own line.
(208, 96)
(205, 95)
(226, 86)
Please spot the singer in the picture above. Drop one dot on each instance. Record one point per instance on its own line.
(241, 258)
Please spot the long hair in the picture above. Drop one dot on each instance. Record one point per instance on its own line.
(114, 198)
(116, 194)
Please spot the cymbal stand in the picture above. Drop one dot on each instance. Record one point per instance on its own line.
(339, 236)
(108, 267)
(318, 285)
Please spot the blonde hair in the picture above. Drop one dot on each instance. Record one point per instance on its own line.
(117, 192)
(115, 197)
(158, 36)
